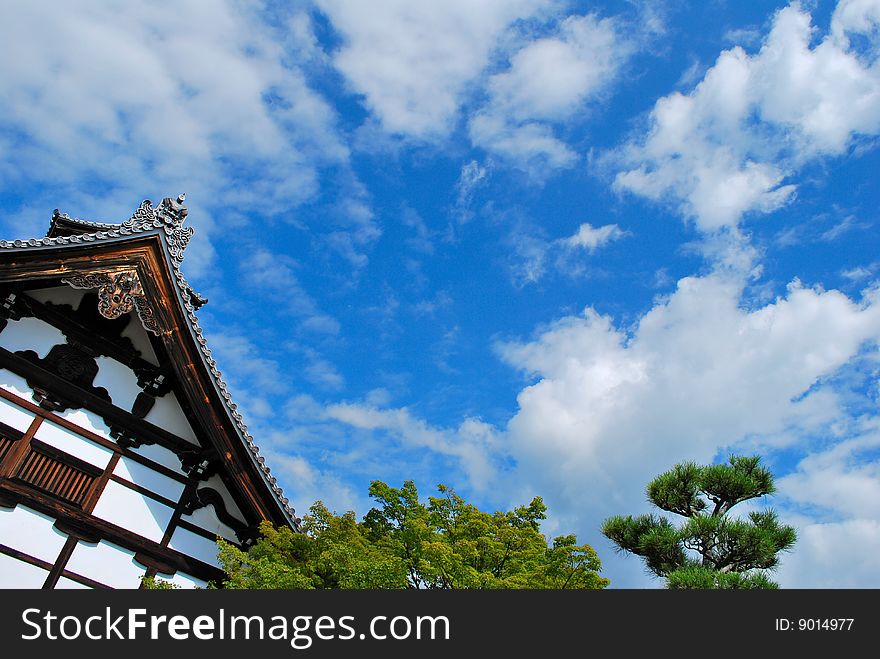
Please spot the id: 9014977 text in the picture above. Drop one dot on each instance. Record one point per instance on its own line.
(814, 624)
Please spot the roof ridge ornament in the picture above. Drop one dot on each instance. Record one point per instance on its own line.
(168, 216)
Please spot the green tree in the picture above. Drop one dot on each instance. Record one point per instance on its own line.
(331, 553)
(710, 549)
(405, 543)
(154, 583)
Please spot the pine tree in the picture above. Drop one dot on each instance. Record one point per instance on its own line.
(711, 549)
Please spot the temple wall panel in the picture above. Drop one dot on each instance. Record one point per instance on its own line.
(142, 475)
(58, 295)
(31, 334)
(160, 455)
(18, 574)
(194, 545)
(31, 533)
(14, 383)
(133, 511)
(206, 518)
(168, 415)
(106, 563)
(119, 381)
(13, 415)
(88, 421)
(73, 444)
(136, 333)
(216, 483)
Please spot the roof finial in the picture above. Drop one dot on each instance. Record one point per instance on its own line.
(181, 197)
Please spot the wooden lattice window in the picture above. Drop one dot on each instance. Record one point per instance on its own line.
(5, 445)
(8, 437)
(57, 473)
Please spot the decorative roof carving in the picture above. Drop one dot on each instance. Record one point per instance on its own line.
(118, 293)
(168, 218)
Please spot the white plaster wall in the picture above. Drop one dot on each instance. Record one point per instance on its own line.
(30, 334)
(194, 545)
(30, 532)
(13, 415)
(168, 415)
(18, 574)
(207, 519)
(136, 333)
(106, 563)
(162, 455)
(119, 381)
(15, 383)
(87, 420)
(126, 508)
(216, 483)
(71, 443)
(145, 477)
(59, 295)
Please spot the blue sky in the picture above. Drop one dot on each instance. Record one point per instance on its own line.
(517, 247)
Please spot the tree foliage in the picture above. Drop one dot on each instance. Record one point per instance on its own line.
(711, 549)
(404, 543)
(154, 583)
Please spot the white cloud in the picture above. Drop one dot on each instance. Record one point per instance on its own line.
(158, 99)
(531, 146)
(421, 241)
(729, 147)
(270, 277)
(430, 307)
(306, 484)
(268, 270)
(532, 254)
(843, 480)
(846, 224)
(322, 373)
(247, 370)
(528, 257)
(855, 17)
(413, 61)
(860, 272)
(471, 444)
(822, 551)
(824, 94)
(321, 324)
(549, 80)
(749, 36)
(698, 374)
(592, 238)
(358, 229)
(473, 176)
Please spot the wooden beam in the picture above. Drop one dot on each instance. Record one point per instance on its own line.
(85, 399)
(91, 525)
(60, 562)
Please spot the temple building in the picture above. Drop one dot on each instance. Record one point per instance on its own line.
(121, 451)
